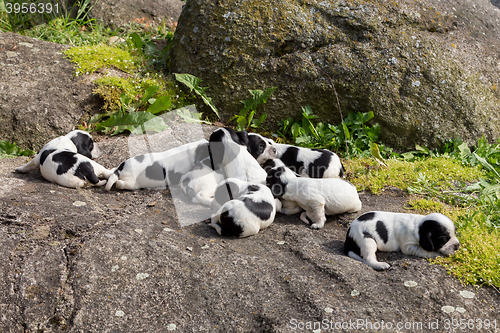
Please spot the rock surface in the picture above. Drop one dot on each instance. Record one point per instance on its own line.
(121, 12)
(428, 70)
(40, 98)
(119, 261)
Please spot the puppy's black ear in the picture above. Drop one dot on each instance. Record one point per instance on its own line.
(432, 235)
(84, 144)
(240, 138)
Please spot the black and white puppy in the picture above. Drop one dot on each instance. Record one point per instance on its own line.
(158, 170)
(70, 169)
(426, 236)
(66, 160)
(306, 162)
(245, 208)
(228, 150)
(261, 148)
(317, 197)
(76, 141)
(200, 183)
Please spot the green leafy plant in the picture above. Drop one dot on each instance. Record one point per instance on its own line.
(192, 82)
(8, 149)
(353, 135)
(130, 118)
(246, 117)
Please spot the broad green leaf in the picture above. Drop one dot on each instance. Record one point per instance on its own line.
(189, 117)
(137, 40)
(250, 117)
(150, 92)
(295, 130)
(119, 123)
(258, 97)
(192, 82)
(8, 149)
(242, 123)
(161, 104)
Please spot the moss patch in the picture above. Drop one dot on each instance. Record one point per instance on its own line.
(366, 174)
(91, 58)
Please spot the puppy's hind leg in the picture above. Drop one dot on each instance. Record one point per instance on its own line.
(368, 250)
(30, 166)
(316, 215)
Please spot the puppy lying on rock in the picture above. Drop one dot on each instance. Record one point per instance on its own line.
(66, 160)
(424, 236)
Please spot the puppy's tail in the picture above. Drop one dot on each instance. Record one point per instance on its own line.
(111, 181)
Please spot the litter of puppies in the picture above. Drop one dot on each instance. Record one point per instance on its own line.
(246, 179)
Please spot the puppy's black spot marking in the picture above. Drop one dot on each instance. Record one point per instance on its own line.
(174, 177)
(84, 144)
(139, 158)
(268, 165)
(228, 226)
(252, 189)
(119, 169)
(366, 216)
(350, 244)
(216, 148)
(201, 152)
(44, 155)
(274, 182)
(366, 234)
(155, 172)
(66, 160)
(86, 171)
(432, 235)
(256, 145)
(317, 168)
(262, 210)
(382, 231)
(225, 192)
(289, 158)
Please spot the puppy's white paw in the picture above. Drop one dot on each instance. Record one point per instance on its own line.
(317, 225)
(380, 266)
(101, 183)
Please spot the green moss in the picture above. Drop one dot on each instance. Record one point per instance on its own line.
(91, 58)
(478, 259)
(366, 174)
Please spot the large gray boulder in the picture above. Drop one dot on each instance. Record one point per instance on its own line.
(40, 98)
(428, 70)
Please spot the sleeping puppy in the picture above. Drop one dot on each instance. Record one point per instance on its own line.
(228, 151)
(199, 184)
(66, 160)
(158, 170)
(306, 162)
(426, 236)
(250, 208)
(317, 197)
(76, 141)
(70, 169)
